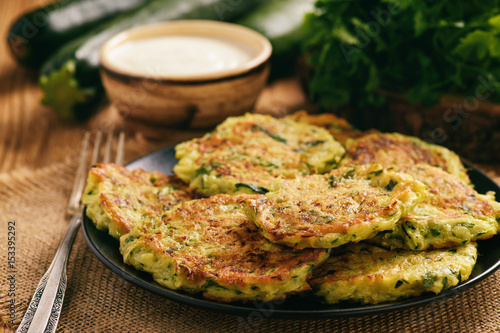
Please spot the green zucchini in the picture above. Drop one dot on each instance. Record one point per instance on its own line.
(70, 78)
(34, 35)
(281, 22)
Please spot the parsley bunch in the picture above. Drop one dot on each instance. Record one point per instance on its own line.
(421, 48)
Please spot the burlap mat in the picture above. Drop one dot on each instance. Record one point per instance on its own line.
(98, 301)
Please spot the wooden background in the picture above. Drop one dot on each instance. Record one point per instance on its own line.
(32, 136)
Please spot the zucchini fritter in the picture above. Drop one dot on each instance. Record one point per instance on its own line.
(394, 149)
(210, 246)
(117, 198)
(368, 274)
(245, 154)
(452, 214)
(325, 211)
(393, 194)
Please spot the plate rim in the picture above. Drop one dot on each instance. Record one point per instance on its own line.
(269, 309)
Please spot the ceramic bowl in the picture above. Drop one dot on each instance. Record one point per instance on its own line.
(147, 98)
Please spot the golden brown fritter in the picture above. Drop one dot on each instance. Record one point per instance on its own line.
(245, 154)
(369, 274)
(210, 246)
(116, 198)
(348, 204)
(394, 149)
(452, 214)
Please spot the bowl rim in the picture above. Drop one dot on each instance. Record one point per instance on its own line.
(203, 28)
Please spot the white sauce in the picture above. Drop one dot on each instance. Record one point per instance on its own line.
(179, 56)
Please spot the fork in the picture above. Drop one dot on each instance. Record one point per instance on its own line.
(44, 309)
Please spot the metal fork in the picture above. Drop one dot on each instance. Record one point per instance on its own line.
(45, 306)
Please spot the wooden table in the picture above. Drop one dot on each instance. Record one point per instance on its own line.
(32, 136)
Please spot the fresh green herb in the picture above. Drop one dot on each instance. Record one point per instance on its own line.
(391, 185)
(376, 173)
(315, 143)
(272, 135)
(130, 239)
(209, 283)
(435, 232)
(203, 170)
(419, 48)
(255, 188)
(332, 180)
(429, 279)
(349, 173)
(309, 166)
(410, 225)
(405, 227)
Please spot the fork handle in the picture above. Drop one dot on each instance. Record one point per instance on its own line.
(45, 306)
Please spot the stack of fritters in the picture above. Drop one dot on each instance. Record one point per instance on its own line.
(453, 213)
(289, 209)
(370, 274)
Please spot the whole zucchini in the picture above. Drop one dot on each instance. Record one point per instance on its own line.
(70, 78)
(281, 22)
(34, 35)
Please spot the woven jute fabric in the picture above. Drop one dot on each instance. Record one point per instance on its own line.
(99, 301)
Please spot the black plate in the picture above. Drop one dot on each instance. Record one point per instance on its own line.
(105, 248)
